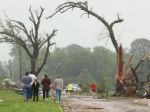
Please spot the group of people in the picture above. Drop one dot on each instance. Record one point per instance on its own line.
(31, 87)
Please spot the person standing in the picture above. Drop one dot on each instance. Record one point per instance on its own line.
(26, 86)
(35, 87)
(46, 86)
(69, 89)
(81, 89)
(33, 77)
(93, 89)
(58, 83)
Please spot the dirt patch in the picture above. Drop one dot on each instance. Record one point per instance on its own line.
(87, 104)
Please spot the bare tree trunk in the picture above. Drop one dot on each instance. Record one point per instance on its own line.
(33, 65)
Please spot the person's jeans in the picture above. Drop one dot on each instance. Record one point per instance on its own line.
(58, 95)
(26, 92)
(31, 92)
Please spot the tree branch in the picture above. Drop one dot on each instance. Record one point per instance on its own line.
(116, 21)
(22, 27)
(84, 6)
(9, 37)
(49, 36)
(31, 17)
(47, 49)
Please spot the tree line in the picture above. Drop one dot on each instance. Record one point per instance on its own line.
(78, 64)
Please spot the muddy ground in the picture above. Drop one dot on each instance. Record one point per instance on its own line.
(75, 103)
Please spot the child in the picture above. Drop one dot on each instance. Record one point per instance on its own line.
(52, 92)
(35, 87)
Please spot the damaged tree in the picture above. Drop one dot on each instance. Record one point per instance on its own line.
(132, 82)
(16, 32)
(120, 72)
(84, 6)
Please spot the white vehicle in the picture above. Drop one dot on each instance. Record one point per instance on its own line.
(75, 88)
(9, 81)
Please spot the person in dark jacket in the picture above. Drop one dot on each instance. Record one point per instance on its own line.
(46, 86)
(35, 87)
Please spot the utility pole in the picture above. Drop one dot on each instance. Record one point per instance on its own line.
(10, 69)
(20, 61)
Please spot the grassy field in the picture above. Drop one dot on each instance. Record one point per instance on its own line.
(12, 102)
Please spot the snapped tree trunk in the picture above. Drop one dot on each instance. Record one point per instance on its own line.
(120, 72)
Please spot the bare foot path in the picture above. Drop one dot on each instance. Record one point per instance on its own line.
(87, 104)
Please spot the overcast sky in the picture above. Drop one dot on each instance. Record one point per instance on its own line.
(82, 30)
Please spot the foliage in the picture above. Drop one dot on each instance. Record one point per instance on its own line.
(140, 47)
(104, 86)
(74, 63)
(84, 64)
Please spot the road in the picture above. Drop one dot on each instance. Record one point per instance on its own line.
(75, 103)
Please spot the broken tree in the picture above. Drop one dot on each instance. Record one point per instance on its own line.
(84, 6)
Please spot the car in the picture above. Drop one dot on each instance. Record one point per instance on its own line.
(9, 82)
(75, 88)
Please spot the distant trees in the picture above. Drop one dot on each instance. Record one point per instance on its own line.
(4, 70)
(140, 47)
(25, 61)
(29, 38)
(79, 64)
(74, 63)
(1, 70)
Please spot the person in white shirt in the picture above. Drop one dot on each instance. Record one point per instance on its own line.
(58, 83)
(33, 77)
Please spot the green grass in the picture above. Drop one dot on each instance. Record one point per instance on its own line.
(13, 102)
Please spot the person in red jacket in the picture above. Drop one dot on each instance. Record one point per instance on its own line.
(93, 89)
